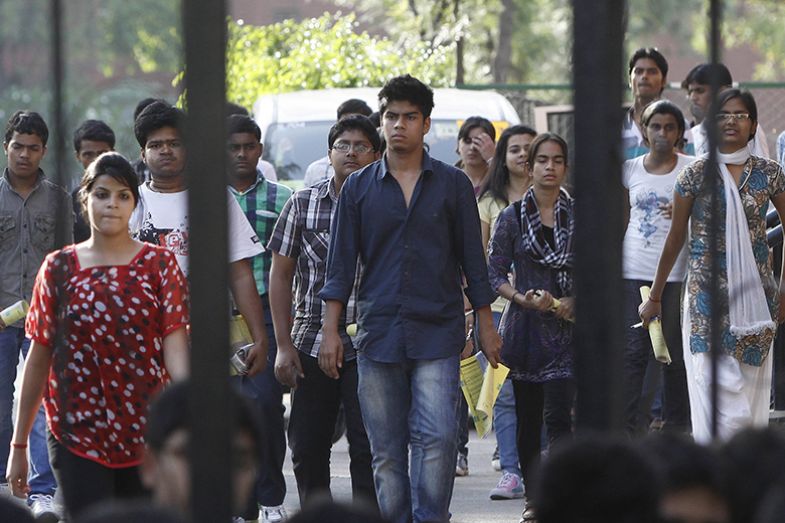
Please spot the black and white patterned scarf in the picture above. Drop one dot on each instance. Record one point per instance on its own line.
(561, 257)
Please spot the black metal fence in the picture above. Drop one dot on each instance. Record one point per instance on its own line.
(597, 98)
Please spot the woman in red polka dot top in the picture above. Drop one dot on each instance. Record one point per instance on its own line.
(107, 325)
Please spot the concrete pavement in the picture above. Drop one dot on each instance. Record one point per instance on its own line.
(470, 501)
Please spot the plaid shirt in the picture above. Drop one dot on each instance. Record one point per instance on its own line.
(303, 232)
(262, 203)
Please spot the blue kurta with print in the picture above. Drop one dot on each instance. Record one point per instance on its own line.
(761, 180)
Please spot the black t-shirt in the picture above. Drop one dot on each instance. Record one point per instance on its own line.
(548, 233)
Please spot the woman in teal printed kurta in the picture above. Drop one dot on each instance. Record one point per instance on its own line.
(744, 374)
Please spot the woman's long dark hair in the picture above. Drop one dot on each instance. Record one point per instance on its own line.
(499, 178)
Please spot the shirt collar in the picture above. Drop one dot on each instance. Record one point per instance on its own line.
(328, 189)
(38, 180)
(426, 166)
(260, 180)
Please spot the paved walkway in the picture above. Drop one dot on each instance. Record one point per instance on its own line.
(470, 501)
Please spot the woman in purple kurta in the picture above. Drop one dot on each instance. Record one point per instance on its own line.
(533, 238)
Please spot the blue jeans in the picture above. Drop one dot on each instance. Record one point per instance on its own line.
(411, 403)
(505, 422)
(41, 480)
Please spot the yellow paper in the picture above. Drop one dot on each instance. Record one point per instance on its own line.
(661, 352)
(491, 386)
(481, 390)
(239, 336)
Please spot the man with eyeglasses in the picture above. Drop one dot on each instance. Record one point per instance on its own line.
(697, 83)
(321, 169)
(262, 201)
(299, 244)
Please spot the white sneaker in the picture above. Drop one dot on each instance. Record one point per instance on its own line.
(272, 514)
(43, 508)
(510, 486)
(462, 465)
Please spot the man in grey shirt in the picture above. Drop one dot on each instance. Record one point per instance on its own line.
(29, 206)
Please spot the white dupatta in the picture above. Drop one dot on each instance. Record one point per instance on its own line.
(749, 310)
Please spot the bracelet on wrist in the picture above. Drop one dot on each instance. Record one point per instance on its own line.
(654, 300)
(20, 446)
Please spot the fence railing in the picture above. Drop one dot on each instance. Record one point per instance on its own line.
(770, 98)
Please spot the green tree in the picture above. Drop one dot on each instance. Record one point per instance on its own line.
(758, 23)
(320, 53)
(115, 51)
(493, 40)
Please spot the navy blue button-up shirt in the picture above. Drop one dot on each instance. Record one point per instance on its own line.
(409, 303)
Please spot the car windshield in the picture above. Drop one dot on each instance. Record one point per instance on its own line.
(292, 147)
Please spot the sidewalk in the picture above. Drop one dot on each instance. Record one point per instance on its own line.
(470, 501)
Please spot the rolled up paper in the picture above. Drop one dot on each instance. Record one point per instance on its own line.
(661, 352)
(14, 313)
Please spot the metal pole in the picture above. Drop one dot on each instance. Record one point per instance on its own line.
(57, 123)
(714, 183)
(597, 59)
(205, 49)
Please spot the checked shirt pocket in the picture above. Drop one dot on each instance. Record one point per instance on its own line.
(316, 243)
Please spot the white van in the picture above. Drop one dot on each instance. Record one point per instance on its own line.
(295, 125)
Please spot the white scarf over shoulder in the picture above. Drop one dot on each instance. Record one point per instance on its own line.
(749, 310)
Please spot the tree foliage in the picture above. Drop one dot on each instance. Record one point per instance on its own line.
(539, 34)
(319, 53)
(115, 52)
(754, 23)
(759, 23)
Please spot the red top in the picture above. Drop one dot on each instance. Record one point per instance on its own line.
(110, 362)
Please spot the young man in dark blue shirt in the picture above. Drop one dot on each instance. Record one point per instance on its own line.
(412, 222)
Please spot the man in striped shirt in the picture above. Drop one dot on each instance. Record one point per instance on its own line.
(261, 201)
(299, 245)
